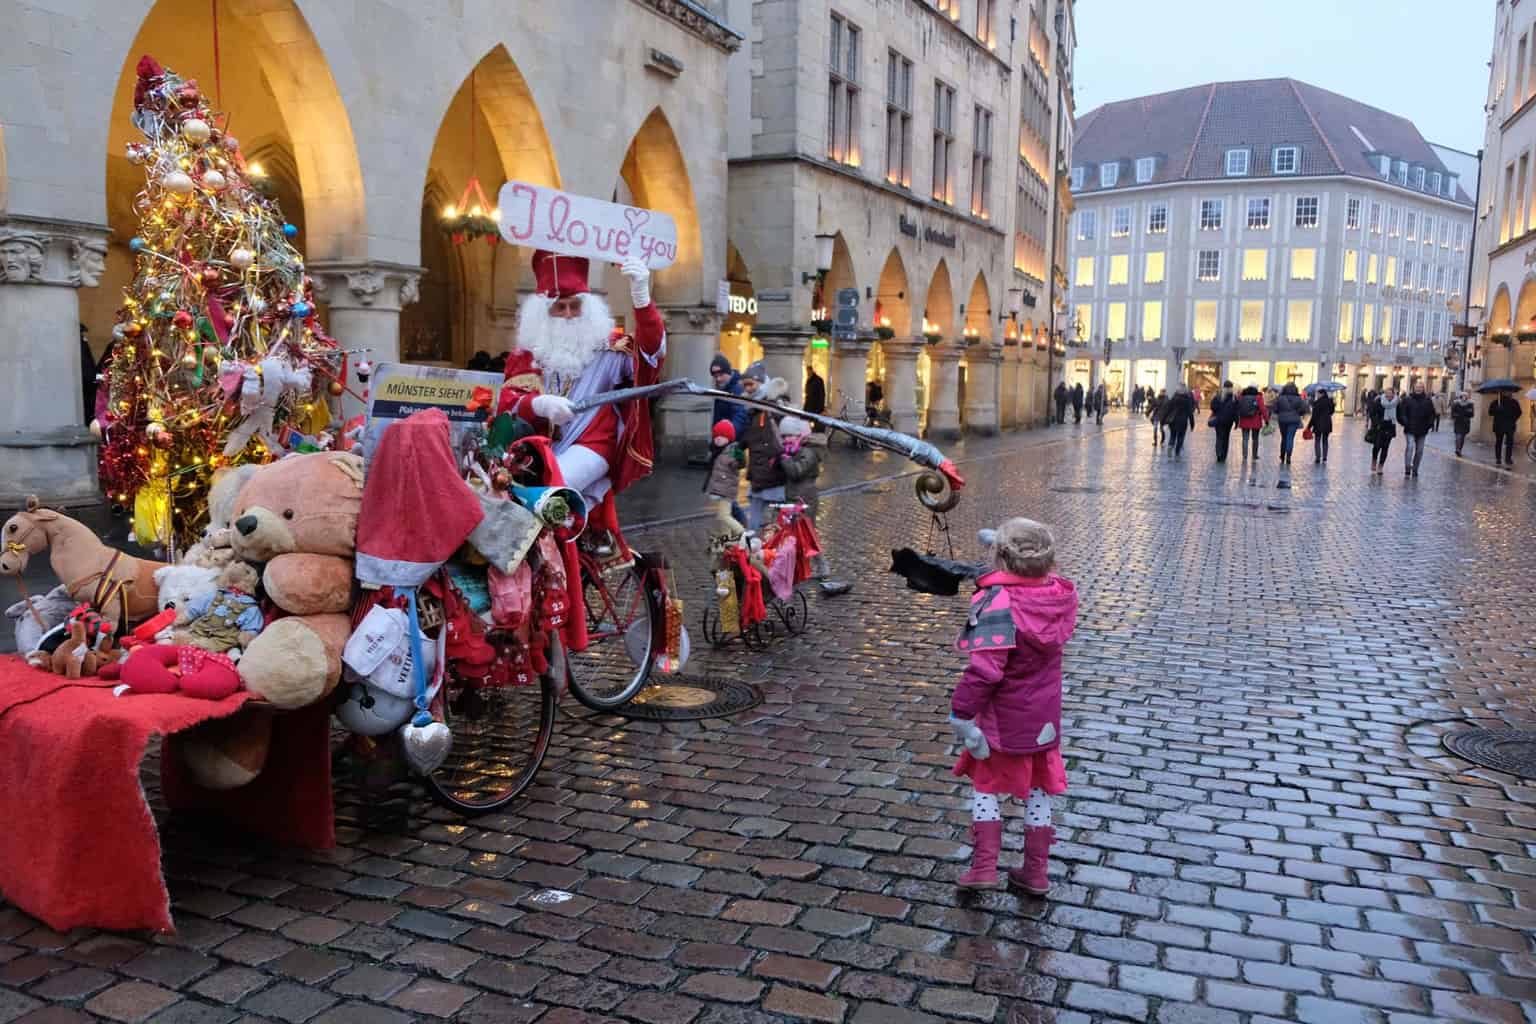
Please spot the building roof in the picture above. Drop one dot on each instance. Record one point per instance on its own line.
(1189, 132)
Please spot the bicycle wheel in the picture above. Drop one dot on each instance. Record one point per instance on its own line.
(500, 737)
(795, 613)
(620, 636)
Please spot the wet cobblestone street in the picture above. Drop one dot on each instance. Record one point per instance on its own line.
(1261, 826)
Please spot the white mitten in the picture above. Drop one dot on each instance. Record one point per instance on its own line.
(639, 276)
(553, 408)
(970, 734)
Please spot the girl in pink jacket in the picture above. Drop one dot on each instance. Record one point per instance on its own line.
(1007, 708)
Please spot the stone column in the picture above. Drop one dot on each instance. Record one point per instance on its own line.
(364, 299)
(984, 361)
(944, 391)
(784, 356)
(852, 368)
(45, 446)
(901, 381)
(693, 337)
(1008, 389)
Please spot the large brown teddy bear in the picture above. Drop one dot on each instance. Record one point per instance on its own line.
(298, 516)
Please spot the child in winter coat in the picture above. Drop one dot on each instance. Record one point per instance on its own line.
(1006, 709)
(802, 465)
(723, 479)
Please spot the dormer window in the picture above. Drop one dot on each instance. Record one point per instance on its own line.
(1237, 163)
(1434, 182)
(1285, 159)
(1400, 171)
(1418, 178)
(1450, 186)
(1109, 175)
(1384, 165)
(1077, 179)
(1145, 167)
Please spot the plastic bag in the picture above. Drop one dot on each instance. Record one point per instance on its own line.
(1269, 428)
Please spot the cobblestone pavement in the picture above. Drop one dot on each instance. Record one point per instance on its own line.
(1261, 825)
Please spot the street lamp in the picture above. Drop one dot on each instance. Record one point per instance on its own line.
(823, 259)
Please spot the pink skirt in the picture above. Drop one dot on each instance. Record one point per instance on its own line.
(1015, 774)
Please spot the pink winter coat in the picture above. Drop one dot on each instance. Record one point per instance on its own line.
(1015, 633)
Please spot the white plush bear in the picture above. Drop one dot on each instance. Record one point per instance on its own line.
(178, 585)
(53, 607)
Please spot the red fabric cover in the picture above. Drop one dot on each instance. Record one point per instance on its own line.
(290, 802)
(559, 277)
(753, 609)
(80, 847)
(417, 509)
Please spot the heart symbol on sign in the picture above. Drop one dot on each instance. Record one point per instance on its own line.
(636, 219)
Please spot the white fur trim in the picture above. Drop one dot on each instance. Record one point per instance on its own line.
(393, 572)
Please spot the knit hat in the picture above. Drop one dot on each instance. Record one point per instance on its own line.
(1025, 547)
(417, 510)
(725, 429)
(720, 364)
(757, 371)
(794, 426)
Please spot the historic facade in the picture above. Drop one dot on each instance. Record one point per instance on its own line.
(369, 120)
(1263, 232)
(1504, 270)
(870, 148)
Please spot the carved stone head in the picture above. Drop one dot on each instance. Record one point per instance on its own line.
(21, 257)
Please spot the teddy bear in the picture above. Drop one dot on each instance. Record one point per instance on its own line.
(178, 586)
(225, 617)
(216, 547)
(297, 518)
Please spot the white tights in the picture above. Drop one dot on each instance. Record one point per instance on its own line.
(1037, 809)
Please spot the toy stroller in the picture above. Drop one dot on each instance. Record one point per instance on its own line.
(757, 581)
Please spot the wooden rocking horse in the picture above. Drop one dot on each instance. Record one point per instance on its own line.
(120, 587)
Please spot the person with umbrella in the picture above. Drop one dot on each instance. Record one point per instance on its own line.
(1462, 411)
(1504, 412)
(1321, 423)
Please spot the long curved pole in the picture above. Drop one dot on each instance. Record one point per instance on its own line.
(938, 489)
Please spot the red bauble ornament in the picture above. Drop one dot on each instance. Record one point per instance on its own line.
(210, 276)
(188, 94)
(165, 439)
(182, 319)
(337, 388)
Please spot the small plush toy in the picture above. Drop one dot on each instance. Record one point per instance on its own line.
(163, 668)
(226, 619)
(177, 586)
(88, 645)
(52, 609)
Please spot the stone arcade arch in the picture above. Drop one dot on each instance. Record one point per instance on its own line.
(939, 368)
(982, 385)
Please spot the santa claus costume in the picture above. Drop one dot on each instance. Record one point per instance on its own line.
(561, 359)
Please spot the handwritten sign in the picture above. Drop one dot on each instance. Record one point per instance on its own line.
(571, 225)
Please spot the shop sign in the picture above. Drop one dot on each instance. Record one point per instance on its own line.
(906, 227)
(572, 225)
(777, 296)
(909, 228)
(743, 304)
(466, 397)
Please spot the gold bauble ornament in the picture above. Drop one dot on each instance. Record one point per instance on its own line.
(178, 183)
(241, 259)
(213, 181)
(196, 130)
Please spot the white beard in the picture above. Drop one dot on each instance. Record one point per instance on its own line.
(563, 348)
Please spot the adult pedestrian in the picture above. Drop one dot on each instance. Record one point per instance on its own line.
(1416, 412)
(725, 378)
(1223, 419)
(1441, 406)
(763, 445)
(1077, 402)
(1063, 396)
(1383, 417)
(1155, 416)
(1252, 414)
(1462, 411)
(1290, 408)
(815, 392)
(1100, 403)
(1321, 425)
(1504, 412)
(1178, 416)
(1136, 399)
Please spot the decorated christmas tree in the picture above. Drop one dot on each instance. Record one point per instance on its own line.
(219, 356)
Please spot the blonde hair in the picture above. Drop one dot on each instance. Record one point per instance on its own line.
(1025, 547)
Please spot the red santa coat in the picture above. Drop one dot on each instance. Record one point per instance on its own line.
(631, 452)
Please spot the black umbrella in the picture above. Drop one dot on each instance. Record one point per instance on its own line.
(1489, 387)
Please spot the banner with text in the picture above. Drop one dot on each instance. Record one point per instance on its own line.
(467, 397)
(572, 225)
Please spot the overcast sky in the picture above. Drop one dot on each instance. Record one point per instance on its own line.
(1426, 60)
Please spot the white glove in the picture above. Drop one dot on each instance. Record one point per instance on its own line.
(553, 408)
(639, 276)
(970, 734)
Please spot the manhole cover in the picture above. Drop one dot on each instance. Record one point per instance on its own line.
(1504, 750)
(686, 697)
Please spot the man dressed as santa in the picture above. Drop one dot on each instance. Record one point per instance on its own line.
(568, 350)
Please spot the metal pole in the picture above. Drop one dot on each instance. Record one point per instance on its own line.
(1466, 298)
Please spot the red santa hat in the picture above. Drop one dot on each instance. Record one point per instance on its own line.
(559, 277)
(417, 510)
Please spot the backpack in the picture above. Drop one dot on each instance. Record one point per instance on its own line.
(1247, 405)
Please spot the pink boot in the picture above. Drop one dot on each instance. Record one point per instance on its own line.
(1034, 876)
(986, 841)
